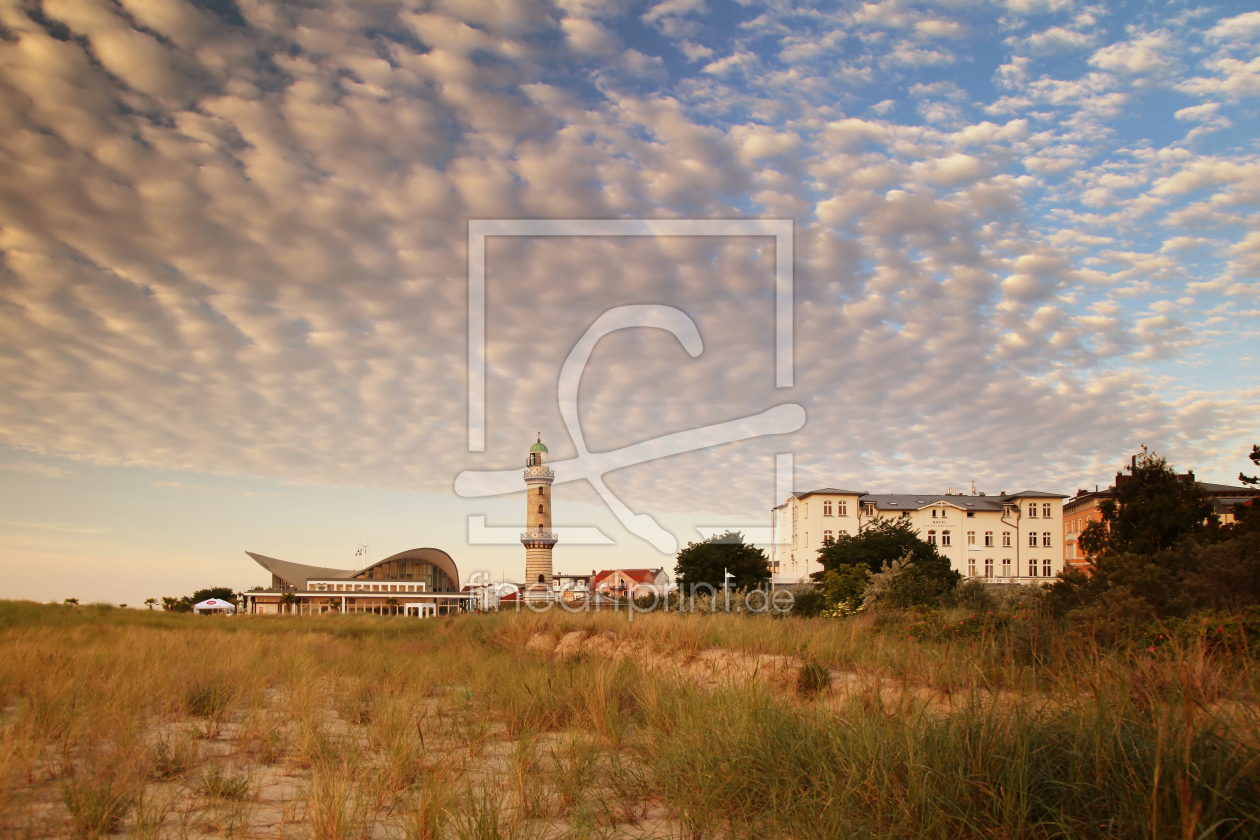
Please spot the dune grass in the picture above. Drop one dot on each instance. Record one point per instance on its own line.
(168, 726)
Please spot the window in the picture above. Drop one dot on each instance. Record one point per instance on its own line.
(988, 539)
(1045, 568)
(807, 539)
(933, 513)
(826, 508)
(1032, 539)
(944, 537)
(971, 567)
(842, 533)
(971, 513)
(540, 578)
(1045, 511)
(842, 508)
(1032, 511)
(1045, 540)
(971, 538)
(988, 567)
(931, 538)
(870, 510)
(807, 510)
(540, 510)
(827, 536)
(539, 491)
(1032, 568)
(1006, 539)
(1006, 567)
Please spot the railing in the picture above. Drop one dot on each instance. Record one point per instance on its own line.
(543, 471)
(539, 534)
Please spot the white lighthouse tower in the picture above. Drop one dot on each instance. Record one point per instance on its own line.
(538, 538)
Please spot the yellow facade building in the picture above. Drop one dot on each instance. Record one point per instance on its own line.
(1007, 538)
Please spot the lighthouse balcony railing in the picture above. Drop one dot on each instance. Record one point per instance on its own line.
(539, 534)
(538, 470)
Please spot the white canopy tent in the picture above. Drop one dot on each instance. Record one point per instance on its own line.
(214, 605)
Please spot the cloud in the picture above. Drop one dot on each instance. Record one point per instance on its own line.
(1233, 79)
(1244, 27)
(1057, 39)
(39, 468)
(1148, 54)
(240, 246)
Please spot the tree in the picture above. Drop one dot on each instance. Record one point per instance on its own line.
(704, 562)
(221, 593)
(1152, 510)
(392, 602)
(920, 574)
(1159, 553)
(150, 602)
(289, 599)
(178, 605)
(846, 585)
(877, 545)
(1255, 459)
(71, 602)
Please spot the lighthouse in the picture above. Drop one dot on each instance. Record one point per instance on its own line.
(538, 538)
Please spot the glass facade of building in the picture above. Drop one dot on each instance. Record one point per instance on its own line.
(434, 579)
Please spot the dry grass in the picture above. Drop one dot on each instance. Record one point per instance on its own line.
(519, 725)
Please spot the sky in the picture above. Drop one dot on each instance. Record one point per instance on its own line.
(234, 265)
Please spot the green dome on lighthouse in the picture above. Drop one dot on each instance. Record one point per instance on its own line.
(539, 446)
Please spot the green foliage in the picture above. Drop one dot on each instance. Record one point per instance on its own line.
(1155, 558)
(1153, 509)
(704, 562)
(808, 601)
(905, 583)
(877, 545)
(972, 594)
(1125, 591)
(1225, 634)
(845, 585)
(177, 605)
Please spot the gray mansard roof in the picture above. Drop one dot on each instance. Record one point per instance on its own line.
(918, 501)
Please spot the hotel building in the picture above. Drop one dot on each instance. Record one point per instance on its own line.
(1007, 538)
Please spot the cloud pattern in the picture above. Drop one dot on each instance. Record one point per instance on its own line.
(233, 235)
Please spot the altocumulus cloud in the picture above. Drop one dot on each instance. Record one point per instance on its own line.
(233, 235)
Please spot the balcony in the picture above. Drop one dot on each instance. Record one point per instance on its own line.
(539, 535)
(541, 471)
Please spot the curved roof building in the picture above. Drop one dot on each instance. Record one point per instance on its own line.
(420, 580)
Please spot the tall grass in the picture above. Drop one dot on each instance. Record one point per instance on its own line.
(157, 725)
